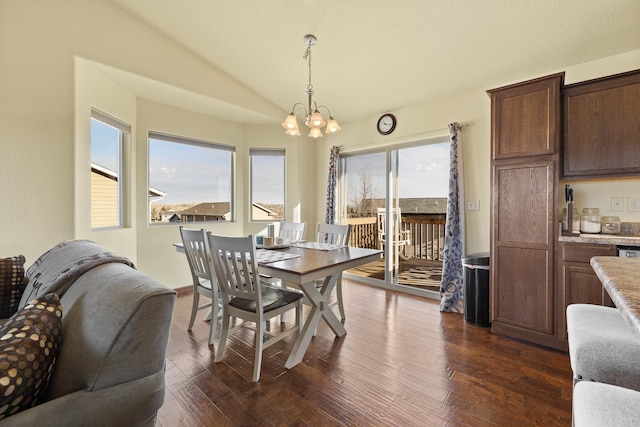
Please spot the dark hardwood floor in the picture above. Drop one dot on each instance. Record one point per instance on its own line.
(402, 363)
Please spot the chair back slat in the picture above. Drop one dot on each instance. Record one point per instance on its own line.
(292, 230)
(234, 262)
(333, 233)
(196, 250)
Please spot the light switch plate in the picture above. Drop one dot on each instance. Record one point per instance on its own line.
(633, 204)
(473, 205)
(617, 204)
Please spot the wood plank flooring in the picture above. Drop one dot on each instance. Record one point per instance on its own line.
(402, 363)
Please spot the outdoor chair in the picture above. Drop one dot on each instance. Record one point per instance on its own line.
(204, 281)
(402, 238)
(245, 297)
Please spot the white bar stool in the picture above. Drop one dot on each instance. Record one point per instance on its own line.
(598, 405)
(602, 346)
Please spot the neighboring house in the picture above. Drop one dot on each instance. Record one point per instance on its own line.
(170, 216)
(208, 211)
(416, 205)
(105, 197)
(261, 212)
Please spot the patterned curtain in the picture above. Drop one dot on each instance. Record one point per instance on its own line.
(451, 288)
(330, 218)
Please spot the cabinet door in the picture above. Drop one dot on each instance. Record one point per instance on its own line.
(525, 118)
(580, 284)
(602, 127)
(522, 249)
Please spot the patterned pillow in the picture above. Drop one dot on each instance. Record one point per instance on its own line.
(28, 347)
(12, 284)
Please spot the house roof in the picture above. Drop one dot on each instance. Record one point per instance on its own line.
(208, 208)
(108, 173)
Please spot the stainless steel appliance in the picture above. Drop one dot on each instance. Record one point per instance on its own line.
(629, 251)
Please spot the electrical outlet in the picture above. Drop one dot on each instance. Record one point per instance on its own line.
(617, 204)
(633, 204)
(473, 205)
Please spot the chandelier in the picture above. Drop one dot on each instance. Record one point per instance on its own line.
(312, 117)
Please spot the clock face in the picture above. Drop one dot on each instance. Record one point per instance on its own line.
(386, 124)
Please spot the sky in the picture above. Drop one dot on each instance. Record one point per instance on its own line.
(194, 174)
(423, 171)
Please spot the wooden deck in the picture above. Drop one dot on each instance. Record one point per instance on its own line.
(416, 272)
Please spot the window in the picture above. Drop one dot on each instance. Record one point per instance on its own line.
(107, 142)
(189, 180)
(267, 184)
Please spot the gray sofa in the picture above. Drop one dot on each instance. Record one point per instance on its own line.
(115, 329)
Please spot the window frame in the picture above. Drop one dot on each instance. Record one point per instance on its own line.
(124, 135)
(264, 152)
(176, 139)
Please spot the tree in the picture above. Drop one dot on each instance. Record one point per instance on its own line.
(361, 195)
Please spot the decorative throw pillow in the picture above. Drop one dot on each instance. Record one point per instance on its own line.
(29, 343)
(12, 284)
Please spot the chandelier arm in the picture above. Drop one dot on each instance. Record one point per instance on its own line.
(301, 107)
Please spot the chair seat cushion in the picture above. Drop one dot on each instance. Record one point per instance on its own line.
(602, 346)
(272, 299)
(597, 405)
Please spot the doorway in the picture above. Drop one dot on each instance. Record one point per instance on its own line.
(411, 182)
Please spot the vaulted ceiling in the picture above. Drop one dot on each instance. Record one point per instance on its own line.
(374, 56)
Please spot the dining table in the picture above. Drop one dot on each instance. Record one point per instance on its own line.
(302, 264)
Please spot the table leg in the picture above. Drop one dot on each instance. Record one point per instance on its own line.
(319, 308)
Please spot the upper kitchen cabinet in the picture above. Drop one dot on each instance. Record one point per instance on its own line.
(525, 118)
(602, 127)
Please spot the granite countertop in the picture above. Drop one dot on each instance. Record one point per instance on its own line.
(621, 278)
(603, 239)
(629, 236)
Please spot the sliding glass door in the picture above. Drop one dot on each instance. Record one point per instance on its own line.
(395, 200)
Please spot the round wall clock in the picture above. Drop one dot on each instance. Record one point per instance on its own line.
(386, 124)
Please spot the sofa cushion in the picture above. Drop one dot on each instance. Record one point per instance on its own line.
(28, 348)
(12, 284)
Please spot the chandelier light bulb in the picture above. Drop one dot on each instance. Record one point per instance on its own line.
(332, 126)
(315, 132)
(316, 120)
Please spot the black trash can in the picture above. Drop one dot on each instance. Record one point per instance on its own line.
(476, 288)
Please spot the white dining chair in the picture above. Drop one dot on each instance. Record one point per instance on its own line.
(336, 234)
(292, 231)
(204, 281)
(244, 296)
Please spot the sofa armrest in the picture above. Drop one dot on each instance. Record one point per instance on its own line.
(127, 404)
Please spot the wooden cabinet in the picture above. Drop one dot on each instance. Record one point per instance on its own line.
(525, 118)
(525, 156)
(580, 285)
(602, 127)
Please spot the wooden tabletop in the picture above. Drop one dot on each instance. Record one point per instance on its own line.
(315, 264)
(621, 278)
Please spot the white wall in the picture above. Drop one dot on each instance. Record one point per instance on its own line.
(49, 56)
(473, 111)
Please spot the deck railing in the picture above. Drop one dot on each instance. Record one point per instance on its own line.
(427, 233)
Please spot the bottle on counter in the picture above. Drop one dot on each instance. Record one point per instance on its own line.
(590, 221)
(610, 225)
